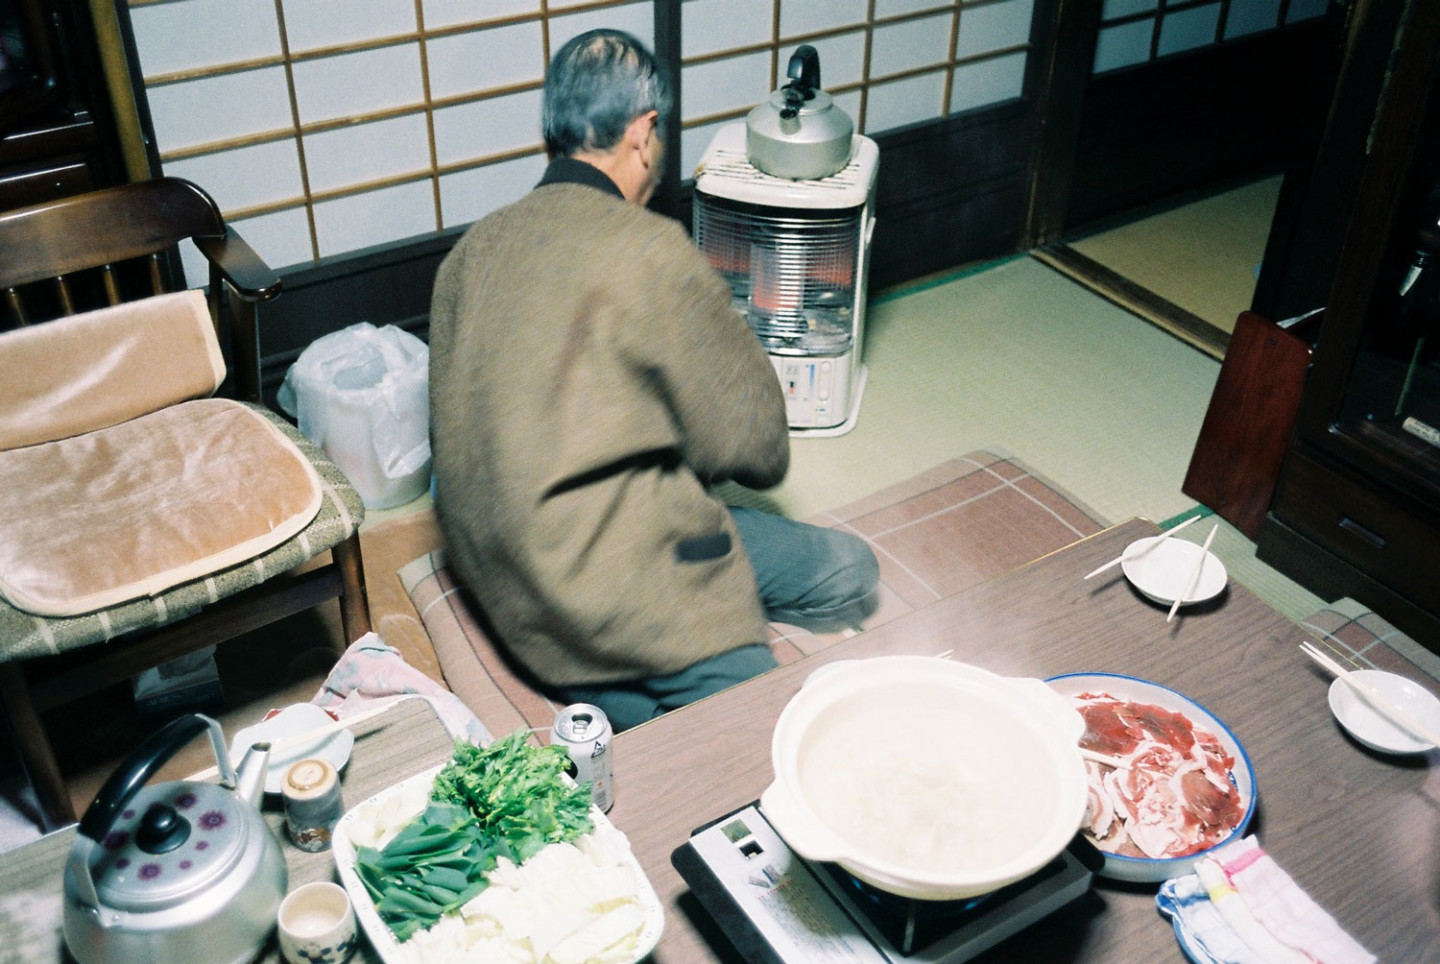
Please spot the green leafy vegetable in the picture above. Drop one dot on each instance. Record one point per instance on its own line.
(503, 800)
(435, 863)
(515, 791)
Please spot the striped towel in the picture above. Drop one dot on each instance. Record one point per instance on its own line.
(1239, 907)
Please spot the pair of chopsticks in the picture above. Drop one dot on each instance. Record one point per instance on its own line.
(317, 733)
(1194, 579)
(1127, 556)
(1386, 707)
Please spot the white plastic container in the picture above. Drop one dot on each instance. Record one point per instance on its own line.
(362, 395)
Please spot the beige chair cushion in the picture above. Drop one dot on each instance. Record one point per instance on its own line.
(127, 511)
(77, 374)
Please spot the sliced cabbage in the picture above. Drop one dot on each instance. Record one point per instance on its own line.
(568, 904)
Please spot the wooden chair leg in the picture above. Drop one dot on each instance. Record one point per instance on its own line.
(354, 604)
(36, 754)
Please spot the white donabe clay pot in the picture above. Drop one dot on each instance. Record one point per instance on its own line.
(927, 778)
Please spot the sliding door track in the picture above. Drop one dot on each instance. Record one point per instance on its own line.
(1133, 298)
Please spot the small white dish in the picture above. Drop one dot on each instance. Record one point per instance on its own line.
(1368, 726)
(291, 722)
(1161, 573)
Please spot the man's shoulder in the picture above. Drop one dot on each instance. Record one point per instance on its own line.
(574, 225)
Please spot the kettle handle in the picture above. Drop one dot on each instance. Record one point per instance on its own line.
(804, 70)
(141, 765)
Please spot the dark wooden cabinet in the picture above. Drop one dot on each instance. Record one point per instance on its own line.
(57, 137)
(1357, 509)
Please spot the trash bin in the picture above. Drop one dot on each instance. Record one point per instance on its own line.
(362, 395)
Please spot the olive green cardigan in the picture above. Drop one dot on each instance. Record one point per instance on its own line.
(589, 380)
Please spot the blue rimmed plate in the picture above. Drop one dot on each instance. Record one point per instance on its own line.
(1242, 774)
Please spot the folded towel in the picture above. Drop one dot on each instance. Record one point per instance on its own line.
(1239, 907)
(1287, 911)
(1235, 911)
(1203, 934)
(371, 672)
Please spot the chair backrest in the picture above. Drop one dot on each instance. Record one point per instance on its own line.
(59, 239)
(98, 249)
(99, 368)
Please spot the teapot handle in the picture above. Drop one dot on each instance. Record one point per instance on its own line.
(141, 765)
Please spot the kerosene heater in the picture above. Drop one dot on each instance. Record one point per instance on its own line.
(783, 210)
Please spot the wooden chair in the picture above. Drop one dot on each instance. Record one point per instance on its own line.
(110, 247)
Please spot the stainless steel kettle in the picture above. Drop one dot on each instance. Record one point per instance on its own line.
(175, 873)
(799, 133)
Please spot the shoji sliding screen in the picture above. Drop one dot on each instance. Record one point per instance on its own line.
(329, 126)
(1136, 31)
(888, 63)
(325, 127)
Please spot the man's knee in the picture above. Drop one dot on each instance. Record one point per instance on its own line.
(851, 572)
(859, 561)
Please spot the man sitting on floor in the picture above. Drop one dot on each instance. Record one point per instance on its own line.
(589, 381)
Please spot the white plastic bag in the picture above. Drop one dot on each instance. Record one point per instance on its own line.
(362, 395)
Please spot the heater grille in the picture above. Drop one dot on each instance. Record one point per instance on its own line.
(792, 273)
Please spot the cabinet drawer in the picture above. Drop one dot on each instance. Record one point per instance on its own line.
(22, 188)
(1394, 543)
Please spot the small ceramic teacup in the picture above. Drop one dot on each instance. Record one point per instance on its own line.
(317, 924)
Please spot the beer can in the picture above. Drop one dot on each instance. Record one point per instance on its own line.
(584, 731)
(312, 804)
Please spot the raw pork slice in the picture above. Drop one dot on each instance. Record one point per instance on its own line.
(1173, 797)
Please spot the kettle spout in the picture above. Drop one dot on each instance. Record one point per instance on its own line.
(250, 776)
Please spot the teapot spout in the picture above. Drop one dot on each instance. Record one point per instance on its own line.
(250, 777)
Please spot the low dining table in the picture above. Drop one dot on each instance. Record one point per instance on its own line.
(1354, 828)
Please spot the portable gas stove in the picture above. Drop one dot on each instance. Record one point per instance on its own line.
(776, 906)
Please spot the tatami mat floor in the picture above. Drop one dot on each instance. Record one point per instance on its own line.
(1018, 359)
(1202, 255)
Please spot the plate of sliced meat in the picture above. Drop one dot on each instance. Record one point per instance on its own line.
(1182, 784)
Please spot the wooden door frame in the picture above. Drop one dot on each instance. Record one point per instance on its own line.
(1116, 116)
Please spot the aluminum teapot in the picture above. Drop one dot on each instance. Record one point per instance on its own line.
(175, 873)
(799, 133)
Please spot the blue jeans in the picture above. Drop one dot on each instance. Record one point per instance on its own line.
(816, 578)
(819, 579)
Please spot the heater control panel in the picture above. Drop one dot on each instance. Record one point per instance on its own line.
(817, 390)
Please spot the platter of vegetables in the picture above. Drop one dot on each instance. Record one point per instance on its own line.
(495, 856)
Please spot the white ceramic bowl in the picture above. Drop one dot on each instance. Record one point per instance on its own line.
(926, 778)
(1145, 869)
(1365, 723)
(1162, 573)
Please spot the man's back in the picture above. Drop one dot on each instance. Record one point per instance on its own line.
(587, 372)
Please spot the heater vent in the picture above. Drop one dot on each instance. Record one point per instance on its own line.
(791, 273)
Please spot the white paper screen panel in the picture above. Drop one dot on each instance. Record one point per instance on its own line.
(1136, 31)
(710, 25)
(323, 127)
(888, 64)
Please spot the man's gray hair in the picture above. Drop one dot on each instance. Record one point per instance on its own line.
(597, 84)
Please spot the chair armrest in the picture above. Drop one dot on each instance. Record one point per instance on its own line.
(241, 268)
(247, 281)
